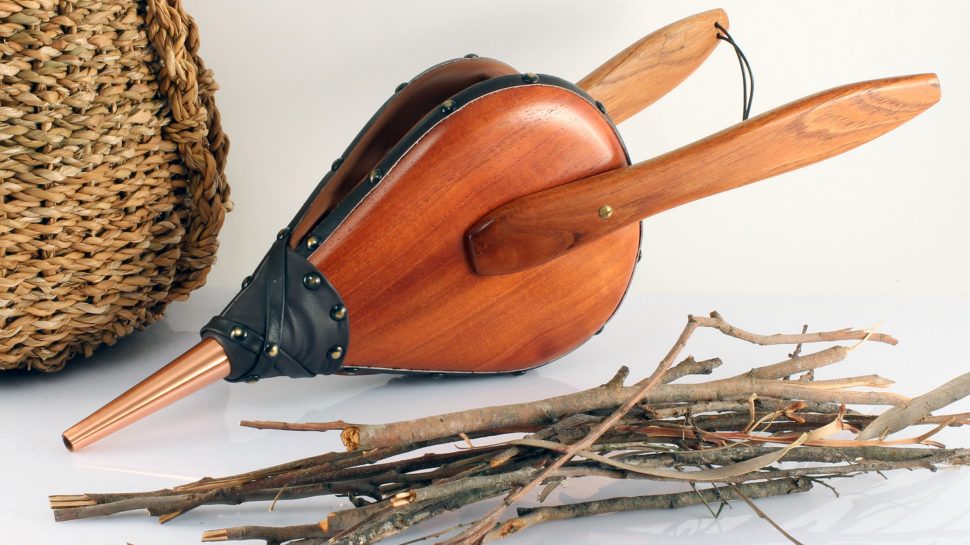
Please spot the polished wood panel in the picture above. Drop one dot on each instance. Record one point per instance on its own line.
(399, 262)
(541, 227)
(647, 70)
(422, 94)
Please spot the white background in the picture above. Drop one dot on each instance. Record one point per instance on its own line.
(876, 235)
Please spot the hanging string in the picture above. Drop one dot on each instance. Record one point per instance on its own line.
(747, 91)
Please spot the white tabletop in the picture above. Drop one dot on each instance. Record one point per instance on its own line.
(199, 436)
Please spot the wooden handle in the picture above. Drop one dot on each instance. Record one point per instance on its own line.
(647, 70)
(539, 227)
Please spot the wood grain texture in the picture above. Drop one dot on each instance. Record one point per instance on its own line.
(639, 75)
(538, 228)
(405, 108)
(399, 261)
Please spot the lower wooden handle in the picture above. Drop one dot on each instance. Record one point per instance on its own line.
(539, 227)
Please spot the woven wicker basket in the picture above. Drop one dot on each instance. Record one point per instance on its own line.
(111, 172)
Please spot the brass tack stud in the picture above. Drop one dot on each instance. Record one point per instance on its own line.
(530, 77)
(246, 282)
(237, 333)
(447, 106)
(282, 234)
(606, 211)
(400, 87)
(252, 379)
(273, 350)
(312, 281)
(471, 56)
(336, 352)
(338, 312)
(312, 242)
(600, 106)
(375, 175)
(336, 163)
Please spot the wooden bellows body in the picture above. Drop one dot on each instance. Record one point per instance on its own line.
(398, 260)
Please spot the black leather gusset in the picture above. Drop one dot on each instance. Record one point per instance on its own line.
(288, 305)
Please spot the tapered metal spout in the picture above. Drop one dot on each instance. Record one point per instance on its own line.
(204, 364)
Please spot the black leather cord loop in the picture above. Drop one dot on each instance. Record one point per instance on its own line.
(747, 77)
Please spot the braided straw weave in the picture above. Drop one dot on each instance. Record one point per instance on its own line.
(111, 172)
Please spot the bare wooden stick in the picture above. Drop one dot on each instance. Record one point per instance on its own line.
(528, 517)
(800, 364)
(295, 426)
(904, 415)
(716, 321)
(690, 366)
(544, 411)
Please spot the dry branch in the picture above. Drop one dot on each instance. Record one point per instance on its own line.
(531, 516)
(907, 414)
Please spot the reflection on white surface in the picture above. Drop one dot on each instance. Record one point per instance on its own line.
(199, 435)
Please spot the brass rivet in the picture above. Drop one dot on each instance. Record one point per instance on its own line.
(282, 234)
(312, 281)
(400, 87)
(237, 333)
(273, 350)
(246, 282)
(338, 312)
(447, 106)
(252, 379)
(471, 56)
(336, 352)
(349, 370)
(375, 175)
(601, 107)
(606, 211)
(313, 242)
(336, 164)
(530, 77)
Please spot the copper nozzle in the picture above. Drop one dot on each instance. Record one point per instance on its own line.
(204, 364)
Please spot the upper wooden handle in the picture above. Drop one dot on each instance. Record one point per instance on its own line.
(539, 227)
(647, 70)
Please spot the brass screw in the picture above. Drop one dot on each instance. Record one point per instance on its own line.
(273, 350)
(606, 211)
(237, 333)
(313, 242)
(312, 281)
(336, 352)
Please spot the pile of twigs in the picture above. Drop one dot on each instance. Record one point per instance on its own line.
(733, 434)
